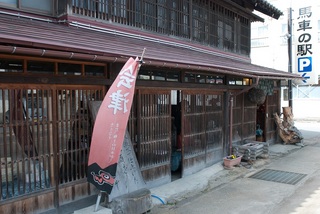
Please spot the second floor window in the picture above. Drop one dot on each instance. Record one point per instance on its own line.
(206, 22)
(41, 6)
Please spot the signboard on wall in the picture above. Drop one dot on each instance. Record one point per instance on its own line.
(305, 32)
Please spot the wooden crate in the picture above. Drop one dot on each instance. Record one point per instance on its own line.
(252, 149)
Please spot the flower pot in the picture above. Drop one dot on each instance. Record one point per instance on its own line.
(229, 162)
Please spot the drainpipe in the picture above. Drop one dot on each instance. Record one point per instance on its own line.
(231, 124)
(232, 96)
(290, 54)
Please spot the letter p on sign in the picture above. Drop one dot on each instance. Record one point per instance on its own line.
(305, 64)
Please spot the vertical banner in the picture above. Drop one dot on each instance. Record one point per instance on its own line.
(306, 41)
(110, 128)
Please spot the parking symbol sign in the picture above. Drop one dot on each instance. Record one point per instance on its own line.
(305, 64)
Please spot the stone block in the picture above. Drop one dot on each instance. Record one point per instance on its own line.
(136, 202)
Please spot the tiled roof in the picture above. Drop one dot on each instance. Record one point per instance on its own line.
(266, 8)
(77, 41)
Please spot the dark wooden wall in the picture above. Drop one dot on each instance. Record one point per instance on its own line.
(154, 135)
(272, 106)
(46, 133)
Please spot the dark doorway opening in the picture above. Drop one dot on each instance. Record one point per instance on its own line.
(261, 121)
(176, 140)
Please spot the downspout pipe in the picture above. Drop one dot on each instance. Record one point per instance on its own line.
(232, 97)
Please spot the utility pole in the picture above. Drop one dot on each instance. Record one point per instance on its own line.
(289, 37)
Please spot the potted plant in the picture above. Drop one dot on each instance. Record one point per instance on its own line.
(231, 160)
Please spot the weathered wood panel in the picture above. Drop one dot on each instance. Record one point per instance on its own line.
(157, 175)
(249, 119)
(193, 132)
(237, 119)
(193, 164)
(214, 123)
(244, 119)
(44, 145)
(76, 192)
(26, 157)
(154, 135)
(30, 205)
(272, 106)
(74, 128)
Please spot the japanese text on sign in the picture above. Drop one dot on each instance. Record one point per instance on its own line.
(118, 98)
(305, 47)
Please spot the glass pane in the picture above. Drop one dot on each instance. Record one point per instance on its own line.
(158, 75)
(211, 79)
(201, 78)
(173, 76)
(189, 77)
(40, 67)
(11, 65)
(93, 70)
(239, 82)
(11, 2)
(220, 80)
(45, 5)
(144, 75)
(69, 69)
(246, 81)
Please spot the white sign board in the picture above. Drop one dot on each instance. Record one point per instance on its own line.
(305, 34)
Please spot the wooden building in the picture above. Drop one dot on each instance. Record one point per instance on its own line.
(191, 101)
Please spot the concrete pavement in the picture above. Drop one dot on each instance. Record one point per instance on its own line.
(248, 195)
(233, 191)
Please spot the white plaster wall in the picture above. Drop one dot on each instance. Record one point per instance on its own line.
(306, 108)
